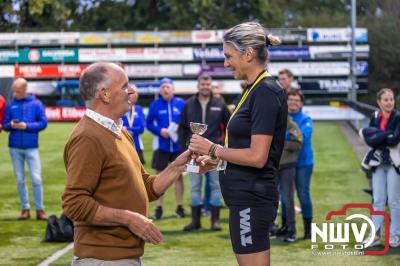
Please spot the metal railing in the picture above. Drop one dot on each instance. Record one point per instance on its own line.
(363, 108)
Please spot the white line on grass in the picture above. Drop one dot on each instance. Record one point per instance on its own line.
(56, 255)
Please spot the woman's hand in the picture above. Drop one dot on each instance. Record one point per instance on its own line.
(199, 144)
(206, 164)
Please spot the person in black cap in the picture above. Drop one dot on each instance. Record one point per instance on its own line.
(162, 121)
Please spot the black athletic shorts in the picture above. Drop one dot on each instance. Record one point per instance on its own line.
(161, 159)
(249, 228)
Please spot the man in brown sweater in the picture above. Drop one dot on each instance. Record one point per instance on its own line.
(107, 190)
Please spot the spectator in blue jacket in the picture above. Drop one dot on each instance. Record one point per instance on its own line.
(134, 122)
(24, 118)
(162, 121)
(305, 163)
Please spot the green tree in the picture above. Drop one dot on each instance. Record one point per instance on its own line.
(8, 17)
(101, 15)
(43, 15)
(211, 14)
(384, 37)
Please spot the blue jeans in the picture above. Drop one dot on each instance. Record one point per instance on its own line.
(31, 156)
(303, 181)
(386, 186)
(285, 181)
(196, 184)
(207, 194)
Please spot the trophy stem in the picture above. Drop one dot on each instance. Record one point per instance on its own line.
(192, 167)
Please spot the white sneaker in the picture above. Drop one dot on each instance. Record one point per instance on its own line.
(394, 241)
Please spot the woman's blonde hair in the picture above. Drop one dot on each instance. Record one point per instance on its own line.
(251, 35)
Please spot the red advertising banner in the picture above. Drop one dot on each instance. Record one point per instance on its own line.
(60, 113)
(49, 71)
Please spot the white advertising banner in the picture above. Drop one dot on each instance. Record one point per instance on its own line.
(304, 69)
(187, 86)
(320, 112)
(337, 51)
(93, 55)
(39, 38)
(94, 37)
(7, 71)
(207, 36)
(163, 37)
(197, 36)
(167, 54)
(170, 70)
(318, 68)
(190, 86)
(122, 37)
(336, 35)
(42, 87)
(135, 54)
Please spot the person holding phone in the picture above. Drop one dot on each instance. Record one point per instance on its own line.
(24, 118)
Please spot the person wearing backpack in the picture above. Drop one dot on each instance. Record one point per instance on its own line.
(305, 163)
(285, 179)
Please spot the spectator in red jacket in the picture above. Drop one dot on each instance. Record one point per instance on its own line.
(2, 109)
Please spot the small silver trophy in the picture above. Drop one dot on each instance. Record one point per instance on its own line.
(199, 129)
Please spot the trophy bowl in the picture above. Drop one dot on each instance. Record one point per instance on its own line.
(199, 129)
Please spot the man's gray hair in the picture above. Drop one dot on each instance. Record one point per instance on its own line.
(93, 78)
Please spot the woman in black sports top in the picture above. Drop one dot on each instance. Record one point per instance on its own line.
(253, 145)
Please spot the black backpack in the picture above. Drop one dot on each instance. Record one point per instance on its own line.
(59, 229)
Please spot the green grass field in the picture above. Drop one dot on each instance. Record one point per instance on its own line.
(336, 181)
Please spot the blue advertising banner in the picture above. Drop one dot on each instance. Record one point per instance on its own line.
(275, 53)
(289, 53)
(209, 54)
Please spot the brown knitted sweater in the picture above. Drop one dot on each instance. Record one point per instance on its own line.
(104, 169)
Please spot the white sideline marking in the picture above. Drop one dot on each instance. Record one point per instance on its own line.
(56, 255)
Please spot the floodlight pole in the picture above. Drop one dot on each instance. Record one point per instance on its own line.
(353, 90)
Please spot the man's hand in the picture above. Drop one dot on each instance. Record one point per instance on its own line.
(144, 228)
(164, 133)
(19, 125)
(182, 160)
(138, 224)
(174, 170)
